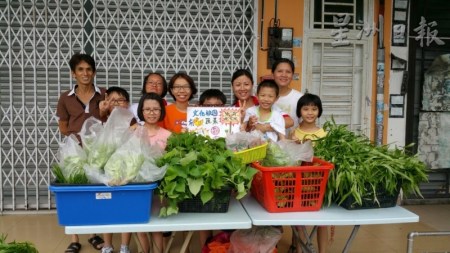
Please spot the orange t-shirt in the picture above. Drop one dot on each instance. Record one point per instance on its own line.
(174, 120)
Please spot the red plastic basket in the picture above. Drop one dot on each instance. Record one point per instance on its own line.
(291, 189)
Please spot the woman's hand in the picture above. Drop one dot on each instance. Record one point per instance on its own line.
(242, 105)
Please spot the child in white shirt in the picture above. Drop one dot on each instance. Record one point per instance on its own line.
(263, 117)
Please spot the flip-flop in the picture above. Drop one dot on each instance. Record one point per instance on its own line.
(96, 242)
(74, 247)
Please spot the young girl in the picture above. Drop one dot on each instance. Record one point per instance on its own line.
(151, 111)
(182, 89)
(309, 109)
(153, 82)
(263, 117)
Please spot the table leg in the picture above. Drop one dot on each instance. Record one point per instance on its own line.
(307, 246)
(186, 242)
(169, 243)
(350, 239)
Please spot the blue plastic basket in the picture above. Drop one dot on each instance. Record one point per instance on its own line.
(78, 205)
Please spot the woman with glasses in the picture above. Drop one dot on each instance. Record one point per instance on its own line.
(182, 88)
(153, 82)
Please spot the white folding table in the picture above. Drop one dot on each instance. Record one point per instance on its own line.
(333, 215)
(235, 218)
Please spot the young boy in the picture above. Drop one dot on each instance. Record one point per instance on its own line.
(212, 97)
(263, 117)
(119, 97)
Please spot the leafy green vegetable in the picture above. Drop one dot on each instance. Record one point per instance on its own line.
(97, 157)
(16, 247)
(123, 167)
(199, 165)
(362, 169)
(71, 172)
(275, 156)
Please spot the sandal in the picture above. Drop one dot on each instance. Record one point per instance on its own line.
(74, 247)
(96, 242)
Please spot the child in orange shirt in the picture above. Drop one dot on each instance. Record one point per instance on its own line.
(182, 88)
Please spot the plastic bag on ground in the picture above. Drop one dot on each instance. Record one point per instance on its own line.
(258, 239)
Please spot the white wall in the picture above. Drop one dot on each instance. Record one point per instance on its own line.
(396, 127)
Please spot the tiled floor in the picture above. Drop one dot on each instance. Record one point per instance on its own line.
(44, 232)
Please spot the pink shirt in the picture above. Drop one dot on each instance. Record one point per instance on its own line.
(160, 138)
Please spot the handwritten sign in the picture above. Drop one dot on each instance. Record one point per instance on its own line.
(213, 121)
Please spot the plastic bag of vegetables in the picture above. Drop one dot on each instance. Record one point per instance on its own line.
(287, 152)
(109, 139)
(128, 160)
(71, 160)
(91, 129)
(149, 171)
(244, 140)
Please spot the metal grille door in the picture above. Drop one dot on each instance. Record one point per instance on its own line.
(128, 39)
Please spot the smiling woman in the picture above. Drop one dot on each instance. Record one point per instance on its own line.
(182, 88)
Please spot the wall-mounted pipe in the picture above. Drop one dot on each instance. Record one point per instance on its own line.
(380, 84)
(261, 23)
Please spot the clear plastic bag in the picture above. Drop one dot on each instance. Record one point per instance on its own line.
(258, 239)
(106, 140)
(71, 156)
(244, 140)
(133, 161)
(91, 129)
(124, 164)
(297, 152)
(288, 153)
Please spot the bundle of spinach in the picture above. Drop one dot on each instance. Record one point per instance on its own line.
(199, 165)
(363, 169)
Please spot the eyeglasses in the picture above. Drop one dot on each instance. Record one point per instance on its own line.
(151, 110)
(155, 84)
(180, 88)
(120, 101)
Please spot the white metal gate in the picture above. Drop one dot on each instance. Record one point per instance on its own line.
(208, 39)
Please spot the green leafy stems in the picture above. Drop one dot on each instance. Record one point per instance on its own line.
(16, 247)
(198, 165)
(362, 169)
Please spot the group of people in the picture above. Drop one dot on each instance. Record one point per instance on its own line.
(277, 110)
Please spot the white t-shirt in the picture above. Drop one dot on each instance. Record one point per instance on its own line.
(276, 121)
(288, 104)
